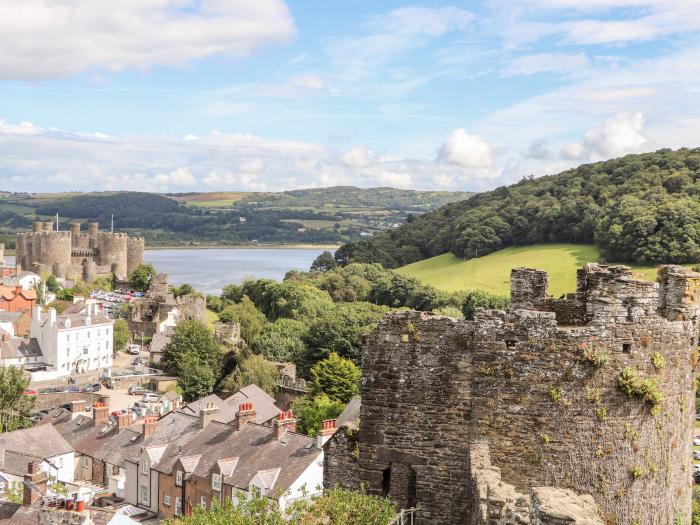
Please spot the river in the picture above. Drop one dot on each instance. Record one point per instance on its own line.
(209, 270)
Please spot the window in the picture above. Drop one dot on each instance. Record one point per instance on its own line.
(144, 494)
(67, 337)
(60, 462)
(203, 502)
(627, 348)
(178, 505)
(98, 332)
(144, 466)
(86, 461)
(85, 350)
(166, 500)
(107, 345)
(178, 478)
(216, 481)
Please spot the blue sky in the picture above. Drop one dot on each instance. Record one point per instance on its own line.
(209, 95)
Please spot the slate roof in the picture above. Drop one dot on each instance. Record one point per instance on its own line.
(264, 404)
(241, 454)
(16, 463)
(9, 317)
(16, 347)
(102, 442)
(16, 514)
(41, 441)
(351, 413)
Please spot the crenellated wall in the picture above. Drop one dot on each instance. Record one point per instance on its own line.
(76, 254)
(544, 396)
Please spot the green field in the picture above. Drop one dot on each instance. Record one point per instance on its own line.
(491, 273)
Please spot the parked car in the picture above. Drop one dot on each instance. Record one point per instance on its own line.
(30, 392)
(72, 389)
(696, 454)
(150, 397)
(696, 468)
(96, 387)
(134, 349)
(136, 390)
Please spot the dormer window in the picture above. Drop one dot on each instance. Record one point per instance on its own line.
(67, 323)
(144, 467)
(216, 482)
(178, 478)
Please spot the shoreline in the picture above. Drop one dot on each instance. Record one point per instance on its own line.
(245, 247)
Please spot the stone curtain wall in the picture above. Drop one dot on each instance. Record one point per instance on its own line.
(543, 397)
(414, 419)
(340, 460)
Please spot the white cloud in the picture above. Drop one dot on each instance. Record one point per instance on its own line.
(40, 39)
(65, 160)
(358, 157)
(619, 135)
(466, 150)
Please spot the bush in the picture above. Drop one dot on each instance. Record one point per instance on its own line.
(646, 388)
(479, 299)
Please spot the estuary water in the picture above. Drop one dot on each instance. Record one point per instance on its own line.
(209, 270)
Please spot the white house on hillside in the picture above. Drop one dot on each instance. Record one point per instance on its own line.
(77, 341)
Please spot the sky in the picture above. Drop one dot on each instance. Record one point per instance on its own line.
(234, 95)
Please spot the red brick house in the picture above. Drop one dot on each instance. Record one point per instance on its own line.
(16, 299)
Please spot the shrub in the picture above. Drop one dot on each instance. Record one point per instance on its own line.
(658, 360)
(555, 394)
(647, 388)
(599, 357)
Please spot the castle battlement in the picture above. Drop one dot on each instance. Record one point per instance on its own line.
(589, 395)
(77, 254)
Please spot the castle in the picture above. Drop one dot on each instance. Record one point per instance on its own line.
(75, 254)
(572, 410)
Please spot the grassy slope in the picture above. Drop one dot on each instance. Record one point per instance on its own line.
(492, 272)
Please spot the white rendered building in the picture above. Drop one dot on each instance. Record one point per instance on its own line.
(77, 341)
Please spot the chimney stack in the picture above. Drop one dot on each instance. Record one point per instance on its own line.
(100, 414)
(246, 414)
(123, 421)
(149, 426)
(328, 428)
(285, 422)
(207, 414)
(35, 482)
(4, 336)
(77, 406)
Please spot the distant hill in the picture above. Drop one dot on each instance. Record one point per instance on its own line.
(314, 216)
(491, 273)
(638, 208)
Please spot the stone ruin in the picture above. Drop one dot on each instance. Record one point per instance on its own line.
(522, 416)
(159, 307)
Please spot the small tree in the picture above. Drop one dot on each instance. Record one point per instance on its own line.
(52, 284)
(337, 377)
(141, 277)
(254, 369)
(324, 262)
(196, 379)
(245, 313)
(312, 411)
(15, 406)
(121, 335)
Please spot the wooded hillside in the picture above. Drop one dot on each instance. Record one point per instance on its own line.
(639, 208)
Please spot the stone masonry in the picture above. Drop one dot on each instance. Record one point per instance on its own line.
(521, 416)
(75, 254)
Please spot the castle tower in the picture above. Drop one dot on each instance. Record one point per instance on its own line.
(75, 233)
(113, 253)
(590, 397)
(134, 253)
(93, 228)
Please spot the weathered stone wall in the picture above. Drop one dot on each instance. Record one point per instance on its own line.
(544, 396)
(66, 252)
(340, 460)
(414, 419)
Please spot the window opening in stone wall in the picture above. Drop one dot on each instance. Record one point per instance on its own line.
(627, 348)
(510, 343)
(411, 497)
(386, 481)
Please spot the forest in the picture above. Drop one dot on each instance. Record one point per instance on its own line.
(639, 208)
(315, 216)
